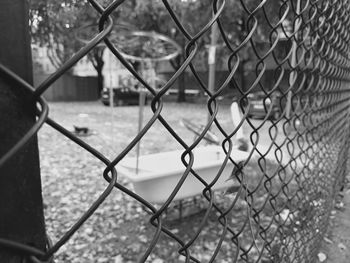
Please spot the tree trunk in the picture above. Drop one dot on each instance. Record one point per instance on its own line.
(96, 58)
(182, 87)
(181, 81)
(21, 215)
(100, 80)
(243, 75)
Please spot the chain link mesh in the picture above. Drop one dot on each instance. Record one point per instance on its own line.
(281, 213)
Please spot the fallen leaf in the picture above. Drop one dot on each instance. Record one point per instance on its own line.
(118, 259)
(339, 205)
(321, 257)
(328, 240)
(143, 238)
(286, 216)
(136, 247)
(341, 246)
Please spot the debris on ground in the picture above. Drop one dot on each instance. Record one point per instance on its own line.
(321, 257)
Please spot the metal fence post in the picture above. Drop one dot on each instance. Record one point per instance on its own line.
(212, 59)
(21, 208)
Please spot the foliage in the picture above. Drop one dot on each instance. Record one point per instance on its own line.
(194, 15)
(153, 16)
(55, 23)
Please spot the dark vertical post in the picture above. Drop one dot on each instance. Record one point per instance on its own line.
(21, 208)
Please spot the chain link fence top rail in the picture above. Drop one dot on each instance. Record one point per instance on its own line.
(280, 214)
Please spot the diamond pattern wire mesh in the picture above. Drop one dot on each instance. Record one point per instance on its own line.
(281, 213)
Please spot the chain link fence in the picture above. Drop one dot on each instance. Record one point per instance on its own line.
(277, 208)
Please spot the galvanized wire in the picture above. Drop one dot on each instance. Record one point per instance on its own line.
(286, 208)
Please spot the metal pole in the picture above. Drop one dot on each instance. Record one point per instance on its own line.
(212, 59)
(293, 62)
(21, 216)
(142, 98)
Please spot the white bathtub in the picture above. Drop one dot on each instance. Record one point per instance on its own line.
(159, 173)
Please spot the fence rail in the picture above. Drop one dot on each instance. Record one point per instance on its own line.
(281, 213)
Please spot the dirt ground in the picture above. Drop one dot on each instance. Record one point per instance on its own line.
(117, 231)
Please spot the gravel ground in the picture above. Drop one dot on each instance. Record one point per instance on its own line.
(119, 230)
